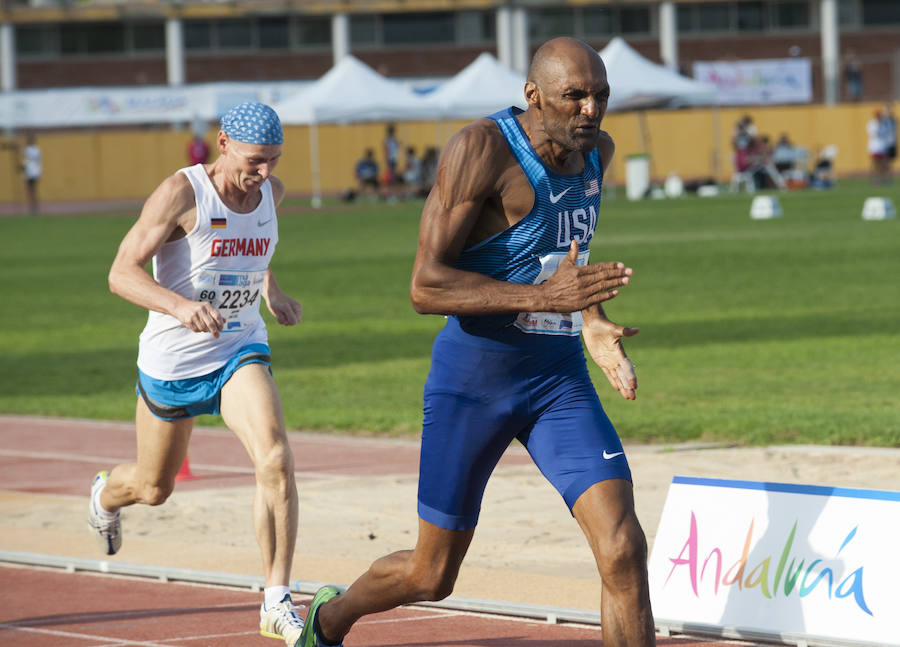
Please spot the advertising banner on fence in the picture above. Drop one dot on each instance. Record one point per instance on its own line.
(773, 558)
(754, 82)
(101, 106)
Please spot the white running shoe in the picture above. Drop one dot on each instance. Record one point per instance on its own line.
(107, 532)
(281, 621)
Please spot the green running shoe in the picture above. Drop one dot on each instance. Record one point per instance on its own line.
(309, 638)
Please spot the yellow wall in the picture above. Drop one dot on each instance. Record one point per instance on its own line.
(122, 165)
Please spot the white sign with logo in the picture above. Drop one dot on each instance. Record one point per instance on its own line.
(762, 81)
(775, 559)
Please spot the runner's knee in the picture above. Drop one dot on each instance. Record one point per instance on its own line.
(156, 493)
(275, 467)
(433, 583)
(622, 551)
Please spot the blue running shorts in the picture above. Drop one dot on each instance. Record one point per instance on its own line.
(194, 396)
(482, 393)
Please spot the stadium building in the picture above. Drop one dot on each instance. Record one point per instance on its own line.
(65, 43)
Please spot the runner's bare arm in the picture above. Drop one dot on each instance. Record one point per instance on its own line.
(168, 214)
(286, 310)
(472, 170)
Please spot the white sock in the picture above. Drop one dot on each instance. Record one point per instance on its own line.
(103, 512)
(275, 594)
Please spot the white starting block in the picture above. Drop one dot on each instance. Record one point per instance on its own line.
(765, 207)
(878, 209)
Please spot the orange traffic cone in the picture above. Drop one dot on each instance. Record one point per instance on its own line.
(184, 474)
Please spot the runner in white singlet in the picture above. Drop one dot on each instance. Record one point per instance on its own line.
(210, 231)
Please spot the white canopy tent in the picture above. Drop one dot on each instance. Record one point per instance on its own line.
(351, 91)
(479, 89)
(636, 82)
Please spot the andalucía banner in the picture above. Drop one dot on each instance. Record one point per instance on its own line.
(776, 559)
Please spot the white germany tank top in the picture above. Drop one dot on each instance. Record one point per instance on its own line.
(223, 260)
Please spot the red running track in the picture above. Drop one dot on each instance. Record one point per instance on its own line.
(44, 606)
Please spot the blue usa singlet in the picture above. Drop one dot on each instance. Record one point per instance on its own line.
(565, 209)
(497, 378)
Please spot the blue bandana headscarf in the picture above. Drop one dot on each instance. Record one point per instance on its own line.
(253, 123)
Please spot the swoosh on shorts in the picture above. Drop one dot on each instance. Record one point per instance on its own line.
(609, 456)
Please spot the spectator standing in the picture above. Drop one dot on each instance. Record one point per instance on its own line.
(391, 154)
(197, 150)
(877, 132)
(33, 168)
(412, 174)
(889, 127)
(853, 77)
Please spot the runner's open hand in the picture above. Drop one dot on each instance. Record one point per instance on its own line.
(577, 287)
(286, 311)
(603, 339)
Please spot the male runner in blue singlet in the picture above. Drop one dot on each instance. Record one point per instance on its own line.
(503, 249)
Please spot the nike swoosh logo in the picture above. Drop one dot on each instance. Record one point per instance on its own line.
(261, 223)
(556, 198)
(607, 455)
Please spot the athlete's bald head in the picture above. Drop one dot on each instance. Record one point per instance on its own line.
(556, 59)
(567, 93)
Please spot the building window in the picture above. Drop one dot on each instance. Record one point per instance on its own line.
(750, 16)
(687, 17)
(418, 28)
(148, 36)
(635, 20)
(92, 38)
(35, 40)
(848, 13)
(274, 33)
(197, 35)
(792, 15)
(714, 17)
(476, 26)
(597, 21)
(364, 30)
(550, 23)
(880, 12)
(315, 31)
(235, 34)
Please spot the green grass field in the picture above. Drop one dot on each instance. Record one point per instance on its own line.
(785, 330)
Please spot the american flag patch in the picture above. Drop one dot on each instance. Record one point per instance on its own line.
(591, 188)
(218, 223)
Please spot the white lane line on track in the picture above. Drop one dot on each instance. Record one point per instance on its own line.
(225, 469)
(102, 641)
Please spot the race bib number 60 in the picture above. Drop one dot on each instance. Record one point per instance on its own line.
(552, 323)
(235, 295)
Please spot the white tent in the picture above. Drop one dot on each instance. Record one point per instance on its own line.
(636, 82)
(351, 91)
(481, 88)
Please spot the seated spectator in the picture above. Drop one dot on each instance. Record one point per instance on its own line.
(765, 175)
(367, 173)
(822, 176)
(785, 154)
